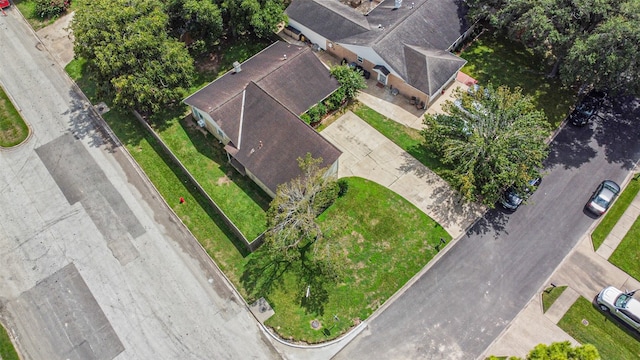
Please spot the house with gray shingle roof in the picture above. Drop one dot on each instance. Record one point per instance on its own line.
(254, 111)
(406, 45)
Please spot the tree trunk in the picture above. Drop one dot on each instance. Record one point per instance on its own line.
(556, 68)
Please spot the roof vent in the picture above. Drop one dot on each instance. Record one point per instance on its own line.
(284, 57)
(236, 67)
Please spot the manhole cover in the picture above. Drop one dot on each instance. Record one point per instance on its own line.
(585, 322)
(315, 324)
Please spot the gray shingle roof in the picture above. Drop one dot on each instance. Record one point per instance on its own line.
(330, 18)
(430, 69)
(273, 138)
(428, 24)
(290, 73)
(260, 105)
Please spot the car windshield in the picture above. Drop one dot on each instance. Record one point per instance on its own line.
(622, 300)
(601, 201)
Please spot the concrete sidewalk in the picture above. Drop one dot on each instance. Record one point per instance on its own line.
(585, 272)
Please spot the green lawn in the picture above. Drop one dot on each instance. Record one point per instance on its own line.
(615, 212)
(7, 350)
(502, 62)
(550, 295)
(407, 138)
(381, 259)
(626, 255)
(613, 340)
(13, 129)
(238, 196)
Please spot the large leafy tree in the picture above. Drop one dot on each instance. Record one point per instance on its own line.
(560, 351)
(201, 18)
(492, 138)
(293, 231)
(609, 54)
(261, 17)
(583, 39)
(130, 54)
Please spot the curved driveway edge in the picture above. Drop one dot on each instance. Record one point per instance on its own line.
(370, 155)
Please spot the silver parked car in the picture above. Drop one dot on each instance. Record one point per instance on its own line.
(603, 197)
(620, 304)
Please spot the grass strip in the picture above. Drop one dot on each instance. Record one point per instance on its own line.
(7, 350)
(13, 129)
(613, 339)
(626, 255)
(550, 295)
(615, 213)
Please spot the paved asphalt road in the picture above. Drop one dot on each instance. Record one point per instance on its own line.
(94, 266)
(458, 307)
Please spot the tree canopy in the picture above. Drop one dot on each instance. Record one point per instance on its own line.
(351, 81)
(493, 139)
(590, 42)
(130, 54)
(293, 231)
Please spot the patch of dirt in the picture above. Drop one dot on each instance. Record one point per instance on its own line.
(208, 63)
(358, 236)
(223, 180)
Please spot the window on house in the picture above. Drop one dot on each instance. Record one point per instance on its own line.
(360, 59)
(382, 78)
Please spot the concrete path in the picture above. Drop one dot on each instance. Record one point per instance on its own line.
(369, 154)
(614, 238)
(58, 39)
(585, 272)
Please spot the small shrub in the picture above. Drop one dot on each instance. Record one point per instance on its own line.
(325, 197)
(343, 185)
(306, 118)
(198, 48)
(335, 100)
(46, 9)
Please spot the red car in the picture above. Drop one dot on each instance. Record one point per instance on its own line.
(4, 4)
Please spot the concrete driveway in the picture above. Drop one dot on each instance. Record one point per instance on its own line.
(370, 155)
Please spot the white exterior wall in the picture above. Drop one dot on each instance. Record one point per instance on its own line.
(259, 183)
(211, 125)
(333, 170)
(310, 34)
(369, 54)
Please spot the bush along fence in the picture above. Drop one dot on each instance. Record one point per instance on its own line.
(250, 245)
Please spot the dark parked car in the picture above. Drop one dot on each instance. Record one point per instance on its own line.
(603, 197)
(583, 113)
(512, 198)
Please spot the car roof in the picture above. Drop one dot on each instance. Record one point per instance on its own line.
(611, 186)
(634, 306)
